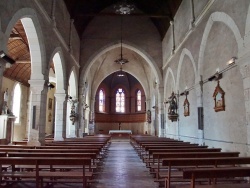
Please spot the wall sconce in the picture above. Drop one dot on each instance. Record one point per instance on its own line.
(184, 93)
(217, 76)
(231, 61)
(7, 58)
(85, 106)
(73, 114)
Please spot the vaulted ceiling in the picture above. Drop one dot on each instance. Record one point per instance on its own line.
(159, 11)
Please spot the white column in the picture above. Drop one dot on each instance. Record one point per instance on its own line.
(161, 111)
(244, 63)
(59, 116)
(149, 125)
(199, 96)
(36, 135)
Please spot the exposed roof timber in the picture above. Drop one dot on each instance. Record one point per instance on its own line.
(135, 14)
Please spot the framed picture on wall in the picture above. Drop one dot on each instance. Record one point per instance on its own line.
(50, 104)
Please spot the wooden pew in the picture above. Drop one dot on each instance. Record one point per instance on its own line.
(151, 151)
(196, 162)
(158, 156)
(194, 174)
(164, 147)
(17, 146)
(39, 175)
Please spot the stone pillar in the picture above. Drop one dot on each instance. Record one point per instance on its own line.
(36, 135)
(149, 128)
(2, 68)
(59, 114)
(199, 96)
(244, 65)
(161, 111)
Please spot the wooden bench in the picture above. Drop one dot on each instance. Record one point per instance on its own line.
(194, 174)
(38, 175)
(196, 162)
(147, 148)
(158, 156)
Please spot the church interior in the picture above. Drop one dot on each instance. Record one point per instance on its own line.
(132, 77)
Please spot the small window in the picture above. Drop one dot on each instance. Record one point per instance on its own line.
(101, 101)
(138, 100)
(17, 102)
(120, 101)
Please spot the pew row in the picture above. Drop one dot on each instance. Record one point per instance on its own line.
(39, 175)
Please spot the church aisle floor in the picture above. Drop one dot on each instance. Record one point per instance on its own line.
(123, 169)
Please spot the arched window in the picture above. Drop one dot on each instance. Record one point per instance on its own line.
(17, 102)
(138, 100)
(101, 101)
(120, 101)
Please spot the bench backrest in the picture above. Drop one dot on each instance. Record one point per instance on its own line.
(216, 172)
(194, 154)
(66, 155)
(44, 161)
(205, 161)
(151, 151)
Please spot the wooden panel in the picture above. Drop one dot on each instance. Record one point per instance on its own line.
(129, 118)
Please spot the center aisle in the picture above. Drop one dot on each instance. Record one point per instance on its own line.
(123, 169)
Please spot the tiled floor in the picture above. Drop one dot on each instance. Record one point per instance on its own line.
(124, 169)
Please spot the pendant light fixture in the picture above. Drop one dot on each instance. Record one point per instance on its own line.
(122, 9)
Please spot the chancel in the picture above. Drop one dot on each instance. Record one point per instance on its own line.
(121, 93)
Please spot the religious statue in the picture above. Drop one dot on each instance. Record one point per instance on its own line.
(6, 96)
(172, 109)
(5, 102)
(149, 116)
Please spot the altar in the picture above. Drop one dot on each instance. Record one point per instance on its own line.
(120, 133)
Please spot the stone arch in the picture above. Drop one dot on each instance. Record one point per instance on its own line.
(169, 72)
(100, 81)
(247, 29)
(74, 83)
(217, 17)
(57, 57)
(34, 34)
(111, 46)
(183, 53)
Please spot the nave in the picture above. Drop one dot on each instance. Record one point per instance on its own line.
(124, 169)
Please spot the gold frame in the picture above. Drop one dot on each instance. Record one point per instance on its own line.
(186, 107)
(219, 98)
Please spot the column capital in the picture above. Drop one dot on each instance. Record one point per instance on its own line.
(60, 96)
(36, 86)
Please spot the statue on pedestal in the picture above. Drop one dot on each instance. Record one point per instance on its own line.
(5, 102)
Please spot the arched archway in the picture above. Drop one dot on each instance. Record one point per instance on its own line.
(35, 131)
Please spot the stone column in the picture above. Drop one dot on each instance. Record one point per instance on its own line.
(244, 65)
(2, 68)
(161, 111)
(36, 135)
(59, 114)
(149, 125)
(199, 96)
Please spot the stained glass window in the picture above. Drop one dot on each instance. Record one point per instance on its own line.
(101, 101)
(120, 101)
(138, 100)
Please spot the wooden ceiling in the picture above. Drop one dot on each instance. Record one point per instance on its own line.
(18, 49)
